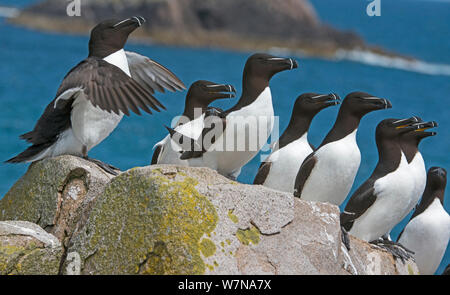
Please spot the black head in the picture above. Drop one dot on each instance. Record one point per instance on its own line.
(393, 129)
(111, 35)
(205, 92)
(436, 183)
(437, 178)
(313, 103)
(264, 66)
(361, 103)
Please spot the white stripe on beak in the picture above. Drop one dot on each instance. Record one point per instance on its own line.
(138, 20)
(121, 22)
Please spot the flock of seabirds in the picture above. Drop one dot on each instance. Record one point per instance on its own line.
(101, 89)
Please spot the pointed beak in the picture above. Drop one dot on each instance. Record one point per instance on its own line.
(407, 122)
(415, 124)
(328, 99)
(422, 127)
(288, 63)
(380, 103)
(222, 90)
(135, 21)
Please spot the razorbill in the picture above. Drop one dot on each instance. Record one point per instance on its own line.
(428, 231)
(95, 94)
(328, 173)
(235, 136)
(409, 143)
(384, 199)
(199, 96)
(280, 168)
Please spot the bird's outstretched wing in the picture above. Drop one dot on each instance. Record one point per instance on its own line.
(151, 75)
(359, 202)
(109, 88)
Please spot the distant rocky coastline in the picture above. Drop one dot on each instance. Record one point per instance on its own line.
(288, 24)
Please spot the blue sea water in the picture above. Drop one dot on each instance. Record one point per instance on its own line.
(33, 64)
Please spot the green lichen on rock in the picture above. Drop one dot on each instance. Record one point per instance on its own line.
(247, 236)
(207, 247)
(34, 197)
(232, 216)
(29, 259)
(148, 223)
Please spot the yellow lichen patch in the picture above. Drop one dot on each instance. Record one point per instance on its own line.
(149, 223)
(247, 236)
(207, 247)
(232, 216)
(410, 270)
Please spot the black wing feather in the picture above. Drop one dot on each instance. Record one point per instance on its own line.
(303, 174)
(152, 75)
(156, 154)
(359, 202)
(209, 121)
(98, 77)
(263, 172)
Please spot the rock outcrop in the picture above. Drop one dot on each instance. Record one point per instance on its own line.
(25, 248)
(235, 24)
(177, 220)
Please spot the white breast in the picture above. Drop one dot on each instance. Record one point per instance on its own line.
(334, 171)
(119, 59)
(91, 125)
(240, 143)
(419, 173)
(285, 164)
(393, 192)
(170, 152)
(427, 235)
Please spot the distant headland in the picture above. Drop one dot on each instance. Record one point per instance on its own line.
(248, 25)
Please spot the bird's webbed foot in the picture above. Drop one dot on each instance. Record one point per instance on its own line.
(396, 249)
(106, 167)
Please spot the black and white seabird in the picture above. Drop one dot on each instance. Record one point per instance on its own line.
(428, 231)
(200, 95)
(409, 143)
(240, 132)
(384, 199)
(280, 168)
(328, 173)
(95, 94)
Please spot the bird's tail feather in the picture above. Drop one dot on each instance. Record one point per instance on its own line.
(30, 154)
(27, 136)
